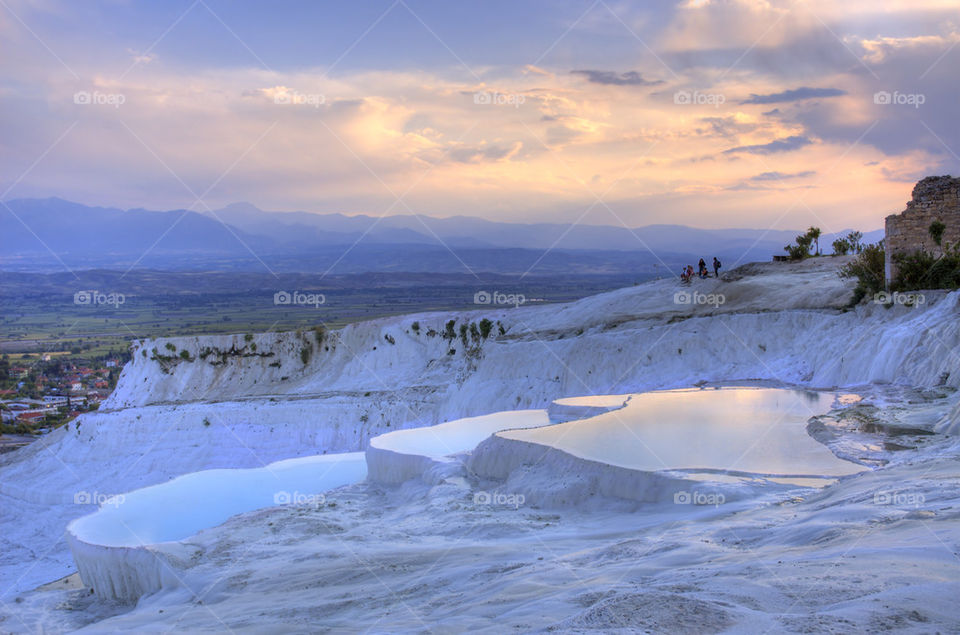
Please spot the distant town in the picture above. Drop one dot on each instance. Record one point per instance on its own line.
(42, 391)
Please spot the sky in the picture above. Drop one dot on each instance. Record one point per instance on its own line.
(709, 113)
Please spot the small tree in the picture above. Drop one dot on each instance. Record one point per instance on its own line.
(841, 247)
(801, 249)
(814, 234)
(855, 238)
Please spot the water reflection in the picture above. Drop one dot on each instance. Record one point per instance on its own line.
(732, 430)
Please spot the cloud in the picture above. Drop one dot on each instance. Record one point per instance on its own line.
(779, 145)
(629, 78)
(467, 154)
(794, 94)
(141, 58)
(781, 176)
(727, 126)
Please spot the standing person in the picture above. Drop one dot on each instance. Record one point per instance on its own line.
(701, 268)
(716, 267)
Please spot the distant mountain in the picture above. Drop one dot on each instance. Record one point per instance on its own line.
(39, 225)
(40, 234)
(477, 232)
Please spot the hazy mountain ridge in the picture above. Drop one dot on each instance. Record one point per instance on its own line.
(84, 236)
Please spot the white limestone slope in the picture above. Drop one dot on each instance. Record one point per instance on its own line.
(778, 323)
(399, 456)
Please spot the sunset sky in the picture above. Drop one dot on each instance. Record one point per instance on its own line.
(705, 113)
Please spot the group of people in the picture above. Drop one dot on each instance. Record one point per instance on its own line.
(686, 275)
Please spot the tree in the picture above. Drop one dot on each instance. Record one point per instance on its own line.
(801, 249)
(841, 247)
(814, 234)
(854, 239)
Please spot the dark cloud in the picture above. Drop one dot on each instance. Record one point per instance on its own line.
(794, 94)
(781, 176)
(780, 145)
(725, 126)
(630, 78)
(467, 154)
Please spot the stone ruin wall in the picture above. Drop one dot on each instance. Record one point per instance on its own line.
(934, 198)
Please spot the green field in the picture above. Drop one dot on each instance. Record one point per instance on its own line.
(40, 312)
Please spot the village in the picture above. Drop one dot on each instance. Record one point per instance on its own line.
(42, 391)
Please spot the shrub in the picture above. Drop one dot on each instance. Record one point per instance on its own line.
(801, 249)
(248, 337)
(936, 230)
(320, 333)
(868, 268)
(474, 332)
(449, 333)
(171, 347)
(923, 270)
(841, 246)
(185, 354)
(305, 355)
(485, 327)
(854, 239)
(416, 327)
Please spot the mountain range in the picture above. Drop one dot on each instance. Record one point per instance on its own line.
(48, 234)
